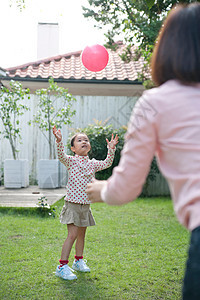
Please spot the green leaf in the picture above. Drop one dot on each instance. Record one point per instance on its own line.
(150, 3)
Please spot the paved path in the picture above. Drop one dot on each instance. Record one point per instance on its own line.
(28, 197)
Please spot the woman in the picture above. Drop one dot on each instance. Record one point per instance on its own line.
(166, 122)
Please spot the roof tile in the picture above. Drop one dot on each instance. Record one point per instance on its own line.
(68, 66)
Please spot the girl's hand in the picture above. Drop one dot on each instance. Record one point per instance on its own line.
(94, 190)
(57, 134)
(113, 142)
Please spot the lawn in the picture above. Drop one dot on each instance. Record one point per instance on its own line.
(136, 251)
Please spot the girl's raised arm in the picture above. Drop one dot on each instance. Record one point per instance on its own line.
(57, 134)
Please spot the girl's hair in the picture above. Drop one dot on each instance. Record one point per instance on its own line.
(74, 136)
(177, 51)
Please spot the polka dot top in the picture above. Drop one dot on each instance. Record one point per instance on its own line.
(81, 171)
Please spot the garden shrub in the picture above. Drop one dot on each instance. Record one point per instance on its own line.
(97, 135)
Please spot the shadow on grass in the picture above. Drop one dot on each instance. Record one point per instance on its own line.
(84, 287)
(34, 211)
(31, 211)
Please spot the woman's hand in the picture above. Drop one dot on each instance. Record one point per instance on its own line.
(57, 134)
(94, 190)
(113, 142)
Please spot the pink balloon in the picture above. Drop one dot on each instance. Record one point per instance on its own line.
(95, 58)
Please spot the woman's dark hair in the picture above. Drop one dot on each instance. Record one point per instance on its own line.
(177, 51)
(74, 136)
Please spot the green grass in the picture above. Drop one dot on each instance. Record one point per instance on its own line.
(136, 251)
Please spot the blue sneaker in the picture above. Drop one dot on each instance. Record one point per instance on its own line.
(80, 265)
(65, 272)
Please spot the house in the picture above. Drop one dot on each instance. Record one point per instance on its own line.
(117, 79)
(106, 95)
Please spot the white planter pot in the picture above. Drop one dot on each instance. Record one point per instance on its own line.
(16, 173)
(48, 173)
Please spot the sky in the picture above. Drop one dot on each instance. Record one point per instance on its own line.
(19, 29)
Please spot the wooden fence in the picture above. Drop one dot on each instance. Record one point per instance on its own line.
(115, 109)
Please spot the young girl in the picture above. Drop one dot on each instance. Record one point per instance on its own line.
(76, 212)
(166, 122)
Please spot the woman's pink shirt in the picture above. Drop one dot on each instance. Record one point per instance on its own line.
(165, 122)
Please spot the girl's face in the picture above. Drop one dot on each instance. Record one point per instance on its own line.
(81, 145)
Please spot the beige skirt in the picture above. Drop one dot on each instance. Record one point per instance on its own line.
(77, 214)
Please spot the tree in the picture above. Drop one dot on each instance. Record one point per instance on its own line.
(138, 21)
(54, 108)
(12, 107)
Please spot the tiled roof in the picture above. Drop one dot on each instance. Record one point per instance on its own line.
(2, 72)
(69, 67)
